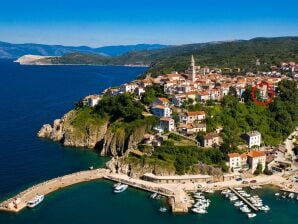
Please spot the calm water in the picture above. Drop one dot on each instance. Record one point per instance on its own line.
(33, 95)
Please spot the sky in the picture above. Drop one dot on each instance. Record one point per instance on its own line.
(113, 22)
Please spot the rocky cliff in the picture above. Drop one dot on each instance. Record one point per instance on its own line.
(102, 135)
(137, 169)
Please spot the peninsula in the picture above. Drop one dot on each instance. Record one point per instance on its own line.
(171, 133)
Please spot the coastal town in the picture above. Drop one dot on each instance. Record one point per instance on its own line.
(205, 86)
(200, 85)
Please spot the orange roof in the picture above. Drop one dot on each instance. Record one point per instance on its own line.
(233, 155)
(164, 100)
(255, 154)
(191, 92)
(192, 113)
(187, 126)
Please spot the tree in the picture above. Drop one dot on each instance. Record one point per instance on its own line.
(259, 169)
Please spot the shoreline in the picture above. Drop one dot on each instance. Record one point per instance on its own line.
(176, 193)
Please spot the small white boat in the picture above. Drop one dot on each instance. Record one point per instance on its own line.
(163, 209)
(120, 188)
(117, 184)
(245, 209)
(265, 208)
(251, 215)
(291, 195)
(238, 188)
(238, 203)
(199, 210)
(35, 201)
(233, 198)
(209, 191)
(153, 196)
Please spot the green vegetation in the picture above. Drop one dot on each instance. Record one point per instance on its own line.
(121, 106)
(259, 169)
(152, 93)
(85, 116)
(241, 53)
(178, 140)
(182, 158)
(237, 118)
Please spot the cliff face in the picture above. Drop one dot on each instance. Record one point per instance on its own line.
(121, 165)
(101, 136)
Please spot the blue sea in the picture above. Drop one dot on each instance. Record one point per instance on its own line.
(33, 95)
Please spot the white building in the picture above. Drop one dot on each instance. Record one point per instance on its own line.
(161, 101)
(237, 161)
(253, 138)
(93, 100)
(128, 88)
(161, 111)
(192, 116)
(254, 158)
(166, 124)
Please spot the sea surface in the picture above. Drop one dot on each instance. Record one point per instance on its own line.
(33, 95)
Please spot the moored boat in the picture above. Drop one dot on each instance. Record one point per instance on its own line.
(120, 188)
(35, 201)
(251, 215)
(163, 209)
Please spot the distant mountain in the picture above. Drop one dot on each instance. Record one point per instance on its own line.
(8, 50)
(238, 53)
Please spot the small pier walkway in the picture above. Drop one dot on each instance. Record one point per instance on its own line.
(19, 201)
(244, 199)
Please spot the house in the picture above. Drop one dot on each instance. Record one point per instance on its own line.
(128, 87)
(203, 96)
(192, 116)
(210, 140)
(252, 138)
(178, 99)
(161, 111)
(167, 124)
(189, 129)
(161, 101)
(236, 161)
(93, 100)
(139, 91)
(148, 138)
(254, 158)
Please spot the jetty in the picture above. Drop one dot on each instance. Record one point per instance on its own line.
(178, 198)
(244, 199)
(19, 201)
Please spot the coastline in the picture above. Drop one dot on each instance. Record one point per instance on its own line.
(177, 194)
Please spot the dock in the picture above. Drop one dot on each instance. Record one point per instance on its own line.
(244, 199)
(18, 202)
(176, 195)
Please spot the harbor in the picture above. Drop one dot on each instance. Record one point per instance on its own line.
(180, 195)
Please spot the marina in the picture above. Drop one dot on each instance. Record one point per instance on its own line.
(244, 199)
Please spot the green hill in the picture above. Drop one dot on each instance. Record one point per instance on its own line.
(239, 53)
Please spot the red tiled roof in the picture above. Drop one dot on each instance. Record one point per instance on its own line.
(255, 154)
(192, 113)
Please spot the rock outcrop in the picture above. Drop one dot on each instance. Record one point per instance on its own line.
(122, 165)
(107, 140)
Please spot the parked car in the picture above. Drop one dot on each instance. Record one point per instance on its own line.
(253, 181)
(245, 182)
(238, 179)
